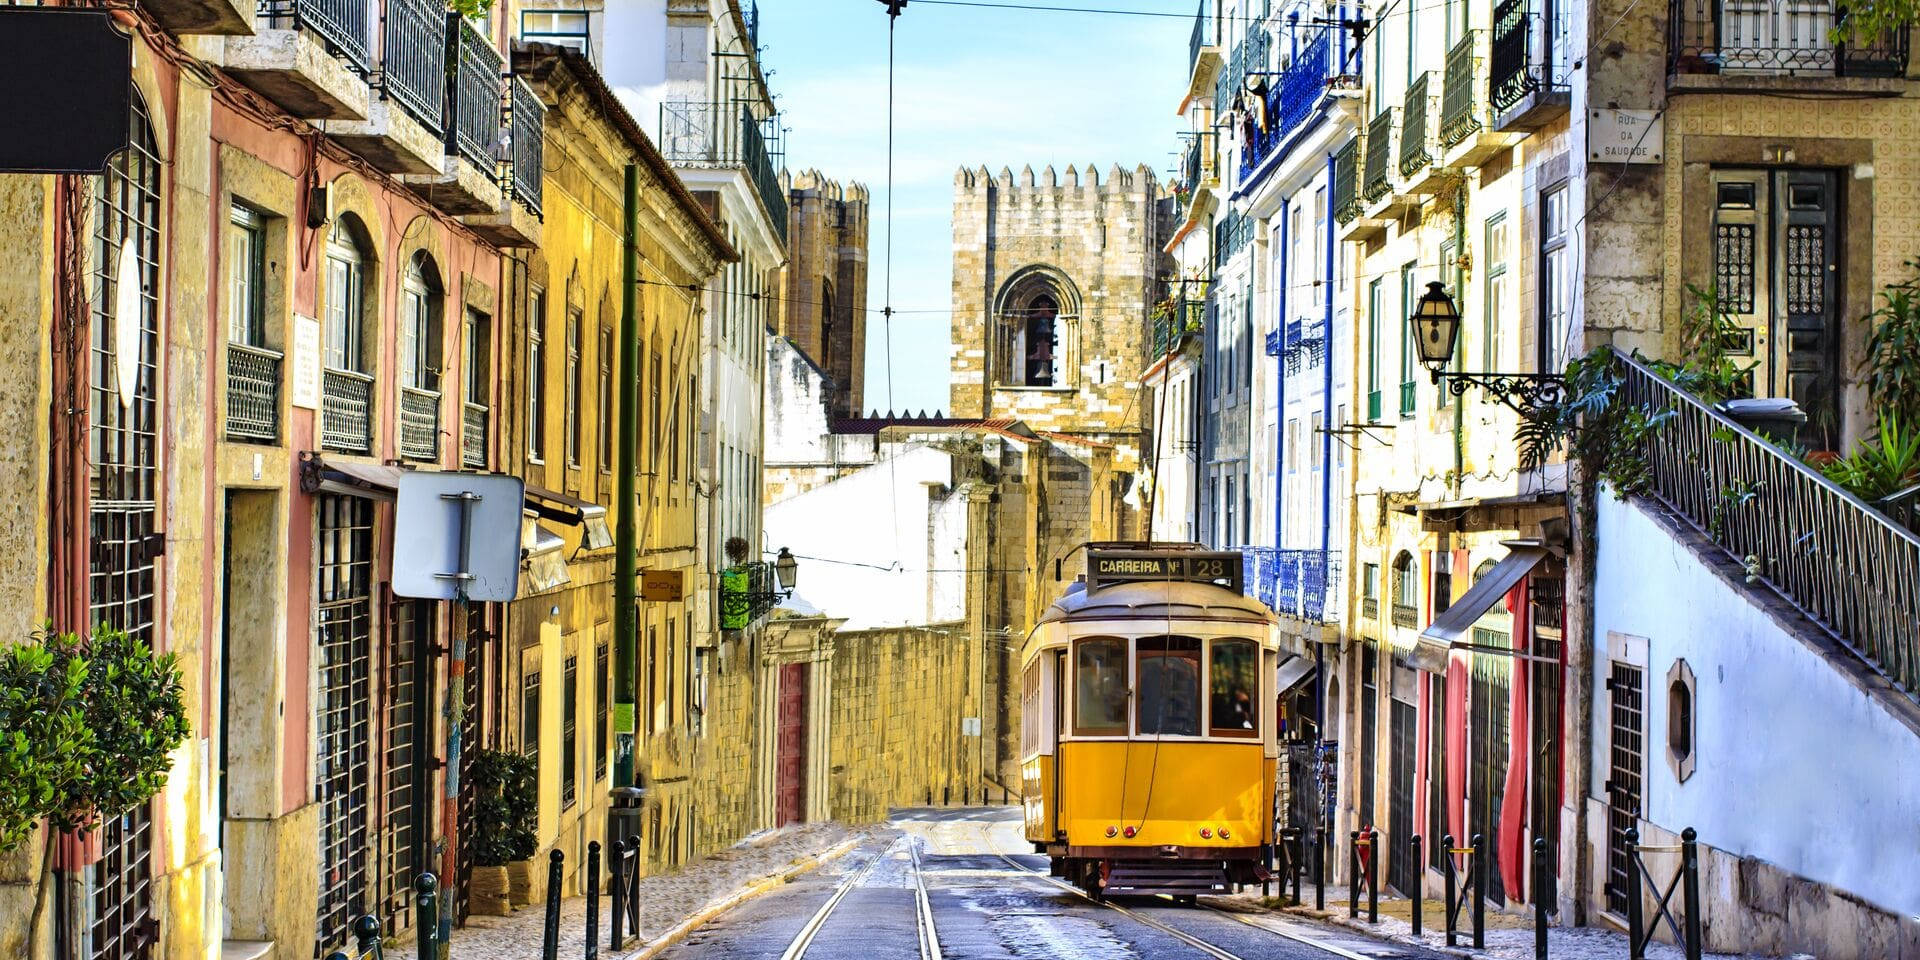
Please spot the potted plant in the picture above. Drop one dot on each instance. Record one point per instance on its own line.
(506, 812)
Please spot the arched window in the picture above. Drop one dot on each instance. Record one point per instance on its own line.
(420, 358)
(1034, 310)
(346, 385)
(1406, 590)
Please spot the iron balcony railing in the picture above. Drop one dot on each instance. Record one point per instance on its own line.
(1370, 608)
(1850, 568)
(1202, 37)
(419, 423)
(750, 13)
(253, 393)
(1903, 507)
(473, 435)
(1304, 584)
(1735, 37)
(1290, 102)
(526, 128)
(346, 411)
(1524, 60)
(746, 594)
(1346, 164)
(340, 24)
(1414, 111)
(1459, 107)
(697, 131)
(413, 60)
(1379, 172)
(1404, 615)
(473, 94)
(1185, 318)
(1231, 234)
(1250, 54)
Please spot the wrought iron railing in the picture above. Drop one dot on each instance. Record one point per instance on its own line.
(1851, 568)
(746, 594)
(526, 126)
(1414, 155)
(1517, 68)
(1370, 608)
(1903, 507)
(760, 169)
(1304, 584)
(1404, 615)
(253, 393)
(473, 94)
(1732, 37)
(413, 60)
(1202, 37)
(1250, 54)
(1379, 172)
(473, 435)
(340, 24)
(1346, 172)
(346, 411)
(1290, 102)
(697, 131)
(1231, 234)
(419, 423)
(1459, 113)
(1184, 319)
(750, 14)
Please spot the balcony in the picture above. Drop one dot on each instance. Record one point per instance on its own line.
(419, 423)
(1840, 561)
(1417, 149)
(1184, 318)
(1742, 45)
(1203, 56)
(1303, 584)
(403, 129)
(516, 223)
(1405, 616)
(1373, 406)
(346, 411)
(473, 435)
(723, 135)
(1370, 608)
(311, 57)
(183, 17)
(1469, 131)
(1346, 171)
(1377, 181)
(1289, 103)
(253, 394)
(1231, 234)
(467, 180)
(746, 595)
(1527, 80)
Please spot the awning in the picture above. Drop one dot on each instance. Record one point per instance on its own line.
(573, 511)
(375, 481)
(1293, 670)
(1451, 629)
(546, 563)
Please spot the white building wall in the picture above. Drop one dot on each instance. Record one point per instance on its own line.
(1795, 764)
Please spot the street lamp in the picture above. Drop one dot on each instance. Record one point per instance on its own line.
(1435, 328)
(787, 570)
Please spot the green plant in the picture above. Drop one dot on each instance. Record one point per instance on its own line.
(1607, 437)
(507, 809)
(43, 753)
(471, 9)
(1884, 465)
(1893, 349)
(1706, 369)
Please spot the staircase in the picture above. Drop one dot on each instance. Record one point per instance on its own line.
(1179, 878)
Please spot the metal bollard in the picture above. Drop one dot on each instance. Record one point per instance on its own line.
(426, 896)
(550, 932)
(1450, 913)
(366, 930)
(1690, 890)
(1636, 947)
(946, 796)
(1479, 892)
(1353, 877)
(1298, 864)
(593, 900)
(617, 870)
(1414, 843)
(1320, 871)
(1539, 898)
(1373, 876)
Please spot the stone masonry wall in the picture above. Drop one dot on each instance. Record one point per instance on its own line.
(896, 732)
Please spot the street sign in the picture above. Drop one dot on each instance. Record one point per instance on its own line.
(457, 535)
(1624, 136)
(1108, 567)
(304, 380)
(665, 586)
(69, 71)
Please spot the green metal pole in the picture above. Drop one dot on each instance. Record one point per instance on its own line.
(626, 627)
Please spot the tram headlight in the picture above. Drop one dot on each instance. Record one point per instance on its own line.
(1112, 830)
(1224, 835)
(1129, 832)
(1206, 833)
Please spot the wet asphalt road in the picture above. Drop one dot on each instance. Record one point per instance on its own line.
(980, 906)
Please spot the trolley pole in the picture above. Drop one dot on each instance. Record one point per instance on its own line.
(626, 627)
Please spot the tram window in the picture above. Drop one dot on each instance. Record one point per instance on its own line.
(1100, 687)
(1231, 688)
(1169, 686)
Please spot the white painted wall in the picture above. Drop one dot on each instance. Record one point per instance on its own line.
(884, 546)
(1796, 766)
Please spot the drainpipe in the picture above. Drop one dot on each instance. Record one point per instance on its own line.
(1459, 403)
(1280, 378)
(626, 627)
(1326, 490)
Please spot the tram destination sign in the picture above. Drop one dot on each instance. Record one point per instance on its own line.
(1108, 567)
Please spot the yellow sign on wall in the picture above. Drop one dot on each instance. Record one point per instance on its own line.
(662, 585)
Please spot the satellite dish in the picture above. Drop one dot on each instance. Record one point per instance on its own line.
(126, 324)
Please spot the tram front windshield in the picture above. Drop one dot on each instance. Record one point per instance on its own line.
(1169, 672)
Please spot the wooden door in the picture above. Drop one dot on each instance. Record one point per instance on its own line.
(790, 797)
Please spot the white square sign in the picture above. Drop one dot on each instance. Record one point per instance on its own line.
(457, 529)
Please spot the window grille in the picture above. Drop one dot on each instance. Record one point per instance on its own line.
(1369, 727)
(1489, 737)
(124, 457)
(569, 734)
(343, 777)
(473, 685)
(537, 376)
(603, 692)
(413, 623)
(1402, 872)
(1625, 693)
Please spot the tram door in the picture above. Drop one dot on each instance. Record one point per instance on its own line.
(1059, 724)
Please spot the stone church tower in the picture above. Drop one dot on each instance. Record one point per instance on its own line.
(1053, 280)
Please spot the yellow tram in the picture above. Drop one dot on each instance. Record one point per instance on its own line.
(1147, 763)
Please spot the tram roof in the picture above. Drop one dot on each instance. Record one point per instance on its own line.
(1180, 600)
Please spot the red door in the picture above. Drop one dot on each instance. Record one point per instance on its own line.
(791, 790)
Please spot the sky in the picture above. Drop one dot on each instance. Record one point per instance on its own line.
(972, 87)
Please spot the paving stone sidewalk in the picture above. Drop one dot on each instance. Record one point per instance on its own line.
(666, 900)
(1508, 936)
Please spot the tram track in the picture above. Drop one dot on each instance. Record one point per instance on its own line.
(926, 937)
